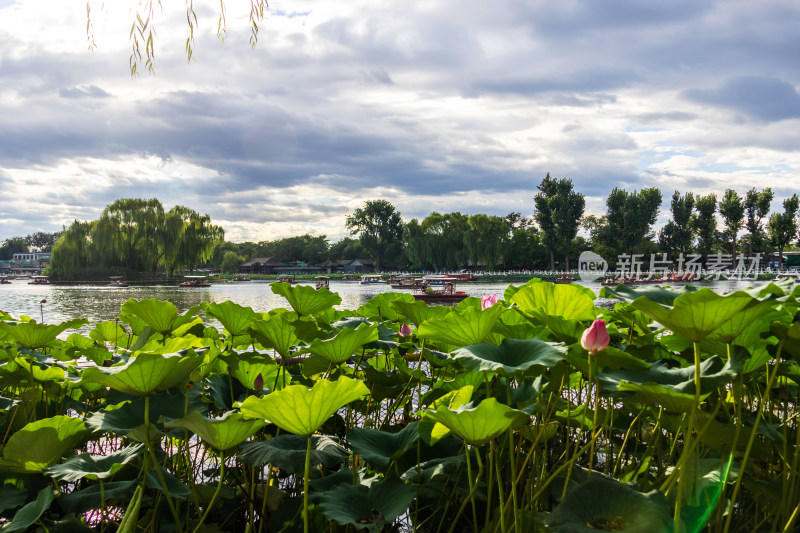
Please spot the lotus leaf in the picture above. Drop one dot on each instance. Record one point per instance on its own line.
(146, 373)
(664, 295)
(108, 331)
(276, 332)
(30, 513)
(512, 357)
(246, 367)
(288, 452)
(304, 299)
(482, 423)
(695, 315)
(383, 305)
(42, 443)
(90, 498)
(471, 326)
(567, 301)
(220, 433)
(367, 507)
(380, 448)
(346, 343)
(161, 316)
(172, 485)
(34, 336)
(606, 504)
(93, 466)
(418, 312)
(128, 415)
(301, 410)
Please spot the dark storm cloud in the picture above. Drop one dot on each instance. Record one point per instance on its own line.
(767, 99)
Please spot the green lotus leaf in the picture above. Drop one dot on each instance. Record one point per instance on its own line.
(42, 443)
(719, 435)
(220, 433)
(42, 370)
(695, 315)
(383, 305)
(746, 326)
(301, 410)
(482, 423)
(98, 495)
(606, 359)
(33, 336)
(370, 507)
(11, 497)
(471, 326)
(95, 467)
(246, 367)
(653, 393)
(380, 448)
(304, 299)
(145, 373)
(567, 301)
(663, 295)
(235, 318)
(417, 311)
(346, 343)
(161, 316)
(276, 332)
(512, 357)
(109, 331)
(172, 485)
(713, 373)
(30, 513)
(288, 452)
(127, 416)
(600, 503)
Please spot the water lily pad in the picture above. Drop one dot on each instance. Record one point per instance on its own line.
(301, 410)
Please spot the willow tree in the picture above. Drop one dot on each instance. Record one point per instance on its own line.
(756, 206)
(187, 239)
(379, 228)
(442, 239)
(74, 252)
(487, 240)
(137, 223)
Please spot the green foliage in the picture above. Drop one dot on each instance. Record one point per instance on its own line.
(490, 419)
(380, 229)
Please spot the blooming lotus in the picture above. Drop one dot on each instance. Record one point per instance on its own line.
(595, 337)
(488, 301)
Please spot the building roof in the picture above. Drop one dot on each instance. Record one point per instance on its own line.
(262, 261)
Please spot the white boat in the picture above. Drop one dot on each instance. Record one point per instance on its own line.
(323, 282)
(195, 281)
(39, 280)
(369, 279)
(117, 281)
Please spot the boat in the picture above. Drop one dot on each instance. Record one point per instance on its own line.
(195, 281)
(565, 279)
(4, 280)
(286, 278)
(444, 291)
(240, 278)
(322, 282)
(117, 281)
(369, 279)
(405, 282)
(39, 280)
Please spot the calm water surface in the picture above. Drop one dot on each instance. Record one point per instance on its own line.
(99, 303)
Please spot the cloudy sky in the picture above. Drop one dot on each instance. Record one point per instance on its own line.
(440, 105)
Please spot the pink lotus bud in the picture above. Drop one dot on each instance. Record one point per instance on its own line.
(488, 301)
(405, 330)
(595, 338)
(259, 383)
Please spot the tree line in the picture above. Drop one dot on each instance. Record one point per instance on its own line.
(139, 236)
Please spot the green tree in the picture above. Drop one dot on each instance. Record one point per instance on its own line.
(731, 207)
(346, 248)
(628, 220)
(756, 205)
(558, 211)
(230, 262)
(379, 228)
(676, 236)
(783, 226)
(705, 224)
(137, 223)
(486, 240)
(187, 239)
(13, 246)
(42, 241)
(74, 255)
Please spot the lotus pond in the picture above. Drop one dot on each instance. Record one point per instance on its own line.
(487, 417)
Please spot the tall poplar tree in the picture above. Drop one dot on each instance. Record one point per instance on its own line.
(783, 226)
(731, 208)
(558, 211)
(705, 223)
(756, 206)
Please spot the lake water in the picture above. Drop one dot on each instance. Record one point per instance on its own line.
(99, 303)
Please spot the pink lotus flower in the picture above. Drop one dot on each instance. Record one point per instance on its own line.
(595, 338)
(405, 330)
(488, 301)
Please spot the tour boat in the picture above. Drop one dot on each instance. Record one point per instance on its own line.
(323, 282)
(195, 281)
(369, 279)
(443, 291)
(286, 278)
(39, 280)
(117, 281)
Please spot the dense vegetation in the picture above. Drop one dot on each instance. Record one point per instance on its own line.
(519, 413)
